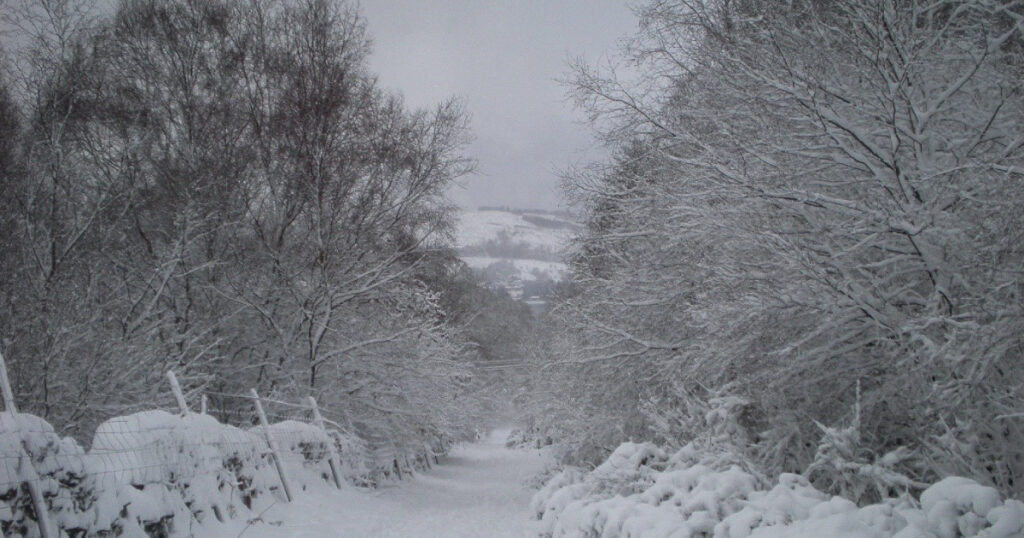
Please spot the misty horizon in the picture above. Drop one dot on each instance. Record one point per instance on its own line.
(502, 59)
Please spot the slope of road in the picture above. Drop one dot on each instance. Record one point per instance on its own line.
(476, 492)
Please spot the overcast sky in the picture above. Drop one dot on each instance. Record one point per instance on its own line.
(501, 57)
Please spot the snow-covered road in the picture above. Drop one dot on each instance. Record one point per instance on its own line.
(476, 492)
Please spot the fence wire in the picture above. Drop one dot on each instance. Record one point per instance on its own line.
(226, 449)
(200, 463)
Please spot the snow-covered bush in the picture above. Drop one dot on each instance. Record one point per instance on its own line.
(845, 467)
(517, 438)
(552, 499)
(354, 457)
(30, 449)
(304, 449)
(630, 468)
(214, 469)
(696, 493)
(527, 438)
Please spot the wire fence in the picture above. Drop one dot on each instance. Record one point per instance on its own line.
(158, 471)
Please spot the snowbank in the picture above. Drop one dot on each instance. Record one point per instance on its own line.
(150, 473)
(304, 450)
(640, 493)
(30, 450)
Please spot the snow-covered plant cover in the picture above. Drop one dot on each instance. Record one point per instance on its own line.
(150, 473)
(304, 449)
(630, 468)
(29, 448)
(843, 463)
(214, 469)
(697, 494)
(803, 194)
(353, 456)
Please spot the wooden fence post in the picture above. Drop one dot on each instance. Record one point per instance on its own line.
(24, 460)
(5, 386)
(318, 421)
(274, 451)
(202, 404)
(178, 395)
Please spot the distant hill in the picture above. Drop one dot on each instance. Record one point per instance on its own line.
(519, 250)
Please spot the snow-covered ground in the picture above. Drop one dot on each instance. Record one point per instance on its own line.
(478, 491)
(477, 227)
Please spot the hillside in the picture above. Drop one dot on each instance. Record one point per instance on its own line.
(518, 250)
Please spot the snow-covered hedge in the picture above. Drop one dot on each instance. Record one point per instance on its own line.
(29, 449)
(150, 473)
(389, 459)
(304, 449)
(642, 492)
(527, 438)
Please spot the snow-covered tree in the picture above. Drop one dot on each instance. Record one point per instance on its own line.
(222, 188)
(808, 196)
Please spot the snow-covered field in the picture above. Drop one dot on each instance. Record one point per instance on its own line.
(476, 492)
(480, 226)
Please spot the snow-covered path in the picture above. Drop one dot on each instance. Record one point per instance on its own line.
(476, 492)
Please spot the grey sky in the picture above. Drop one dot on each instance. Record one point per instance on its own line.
(502, 57)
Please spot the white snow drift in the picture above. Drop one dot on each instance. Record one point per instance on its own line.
(642, 492)
(151, 473)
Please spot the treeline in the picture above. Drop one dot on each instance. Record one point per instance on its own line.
(807, 247)
(222, 188)
(505, 246)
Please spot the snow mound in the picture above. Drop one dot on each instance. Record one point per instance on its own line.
(305, 450)
(629, 467)
(30, 450)
(150, 473)
(682, 497)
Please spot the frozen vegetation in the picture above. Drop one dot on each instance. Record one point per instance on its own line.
(641, 491)
(805, 251)
(154, 473)
(791, 307)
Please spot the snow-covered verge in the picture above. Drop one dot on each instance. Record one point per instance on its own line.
(641, 491)
(152, 473)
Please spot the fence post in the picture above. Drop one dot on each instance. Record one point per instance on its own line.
(274, 452)
(178, 395)
(5, 386)
(38, 503)
(318, 421)
(202, 405)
